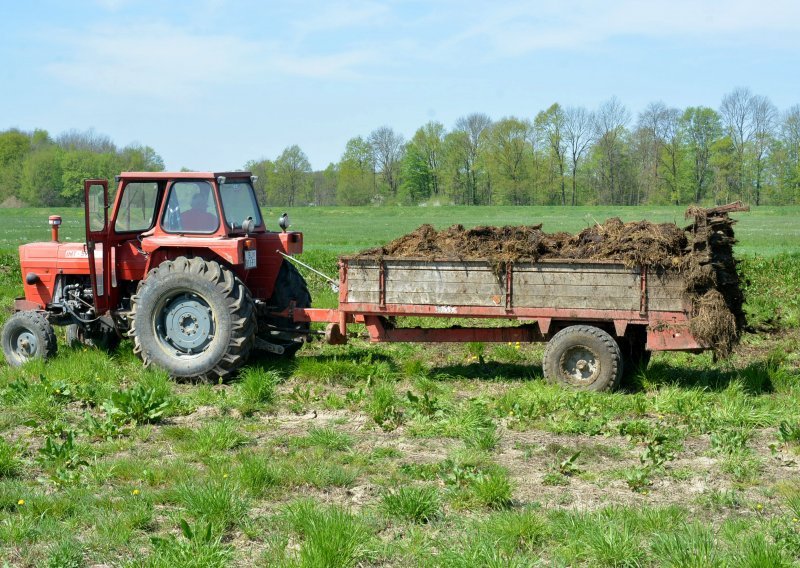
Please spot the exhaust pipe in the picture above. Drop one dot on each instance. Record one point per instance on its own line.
(55, 221)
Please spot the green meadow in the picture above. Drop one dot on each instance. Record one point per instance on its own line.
(411, 455)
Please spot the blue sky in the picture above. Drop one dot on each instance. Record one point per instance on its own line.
(211, 84)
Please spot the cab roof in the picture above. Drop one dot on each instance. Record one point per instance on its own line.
(180, 175)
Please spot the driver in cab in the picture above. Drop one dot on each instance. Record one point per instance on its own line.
(198, 218)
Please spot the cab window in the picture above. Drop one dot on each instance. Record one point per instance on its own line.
(239, 203)
(137, 207)
(191, 208)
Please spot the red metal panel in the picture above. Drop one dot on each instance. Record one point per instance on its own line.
(632, 316)
(291, 242)
(675, 337)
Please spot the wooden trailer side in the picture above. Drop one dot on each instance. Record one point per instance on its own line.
(578, 285)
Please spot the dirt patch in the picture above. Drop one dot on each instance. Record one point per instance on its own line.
(12, 202)
(701, 252)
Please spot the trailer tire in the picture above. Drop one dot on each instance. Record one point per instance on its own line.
(583, 357)
(77, 335)
(28, 335)
(290, 286)
(192, 318)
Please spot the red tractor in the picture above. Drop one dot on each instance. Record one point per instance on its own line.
(182, 263)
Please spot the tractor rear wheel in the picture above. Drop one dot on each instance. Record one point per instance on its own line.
(193, 318)
(290, 286)
(28, 335)
(77, 335)
(583, 357)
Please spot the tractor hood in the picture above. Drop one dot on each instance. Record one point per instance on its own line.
(46, 260)
(71, 258)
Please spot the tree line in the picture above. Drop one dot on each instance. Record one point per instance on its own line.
(40, 170)
(746, 149)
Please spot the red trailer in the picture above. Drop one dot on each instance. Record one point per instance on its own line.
(599, 318)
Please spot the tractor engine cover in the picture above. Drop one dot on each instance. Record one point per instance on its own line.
(48, 259)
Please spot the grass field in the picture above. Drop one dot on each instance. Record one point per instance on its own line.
(411, 455)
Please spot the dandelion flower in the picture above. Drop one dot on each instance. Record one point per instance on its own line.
(22, 502)
(135, 492)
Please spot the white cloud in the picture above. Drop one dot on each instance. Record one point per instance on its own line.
(155, 60)
(520, 27)
(162, 61)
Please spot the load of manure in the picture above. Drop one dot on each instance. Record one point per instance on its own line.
(703, 252)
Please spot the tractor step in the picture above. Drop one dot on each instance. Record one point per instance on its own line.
(265, 345)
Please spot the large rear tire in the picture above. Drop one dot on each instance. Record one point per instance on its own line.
(28, 335)
(290, 286)
(583, 357)
(193, 318)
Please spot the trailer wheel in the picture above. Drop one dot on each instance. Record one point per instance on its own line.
(78, 335)
(193, 318)
(28, 335)
(584, 358)
(290, 286)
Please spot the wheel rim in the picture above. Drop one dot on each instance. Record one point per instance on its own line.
(579, 365)
(25, 345)
(186, 323)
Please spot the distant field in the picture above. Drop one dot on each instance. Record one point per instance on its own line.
(764, 231)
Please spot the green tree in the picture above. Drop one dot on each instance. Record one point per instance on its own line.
(42, 177)
(265, 171)
(509, 155)
(550, 126)
(788, 157)
(418, 179)
(701, 127)
(14, 146)
(578, 124)
(136, 158)
(78, 165)
(356, 180)
(724, 163)
(466, 156)
(292, 177)
(612, 182)
(388, 148)
(325, 185)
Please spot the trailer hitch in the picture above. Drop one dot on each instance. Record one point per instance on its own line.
(334, 283)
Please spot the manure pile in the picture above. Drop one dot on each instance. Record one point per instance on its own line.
(703, 252)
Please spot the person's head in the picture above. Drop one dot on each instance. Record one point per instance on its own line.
(199, 201)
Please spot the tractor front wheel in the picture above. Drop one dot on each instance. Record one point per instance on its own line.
(28, 335)
(193, 318)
